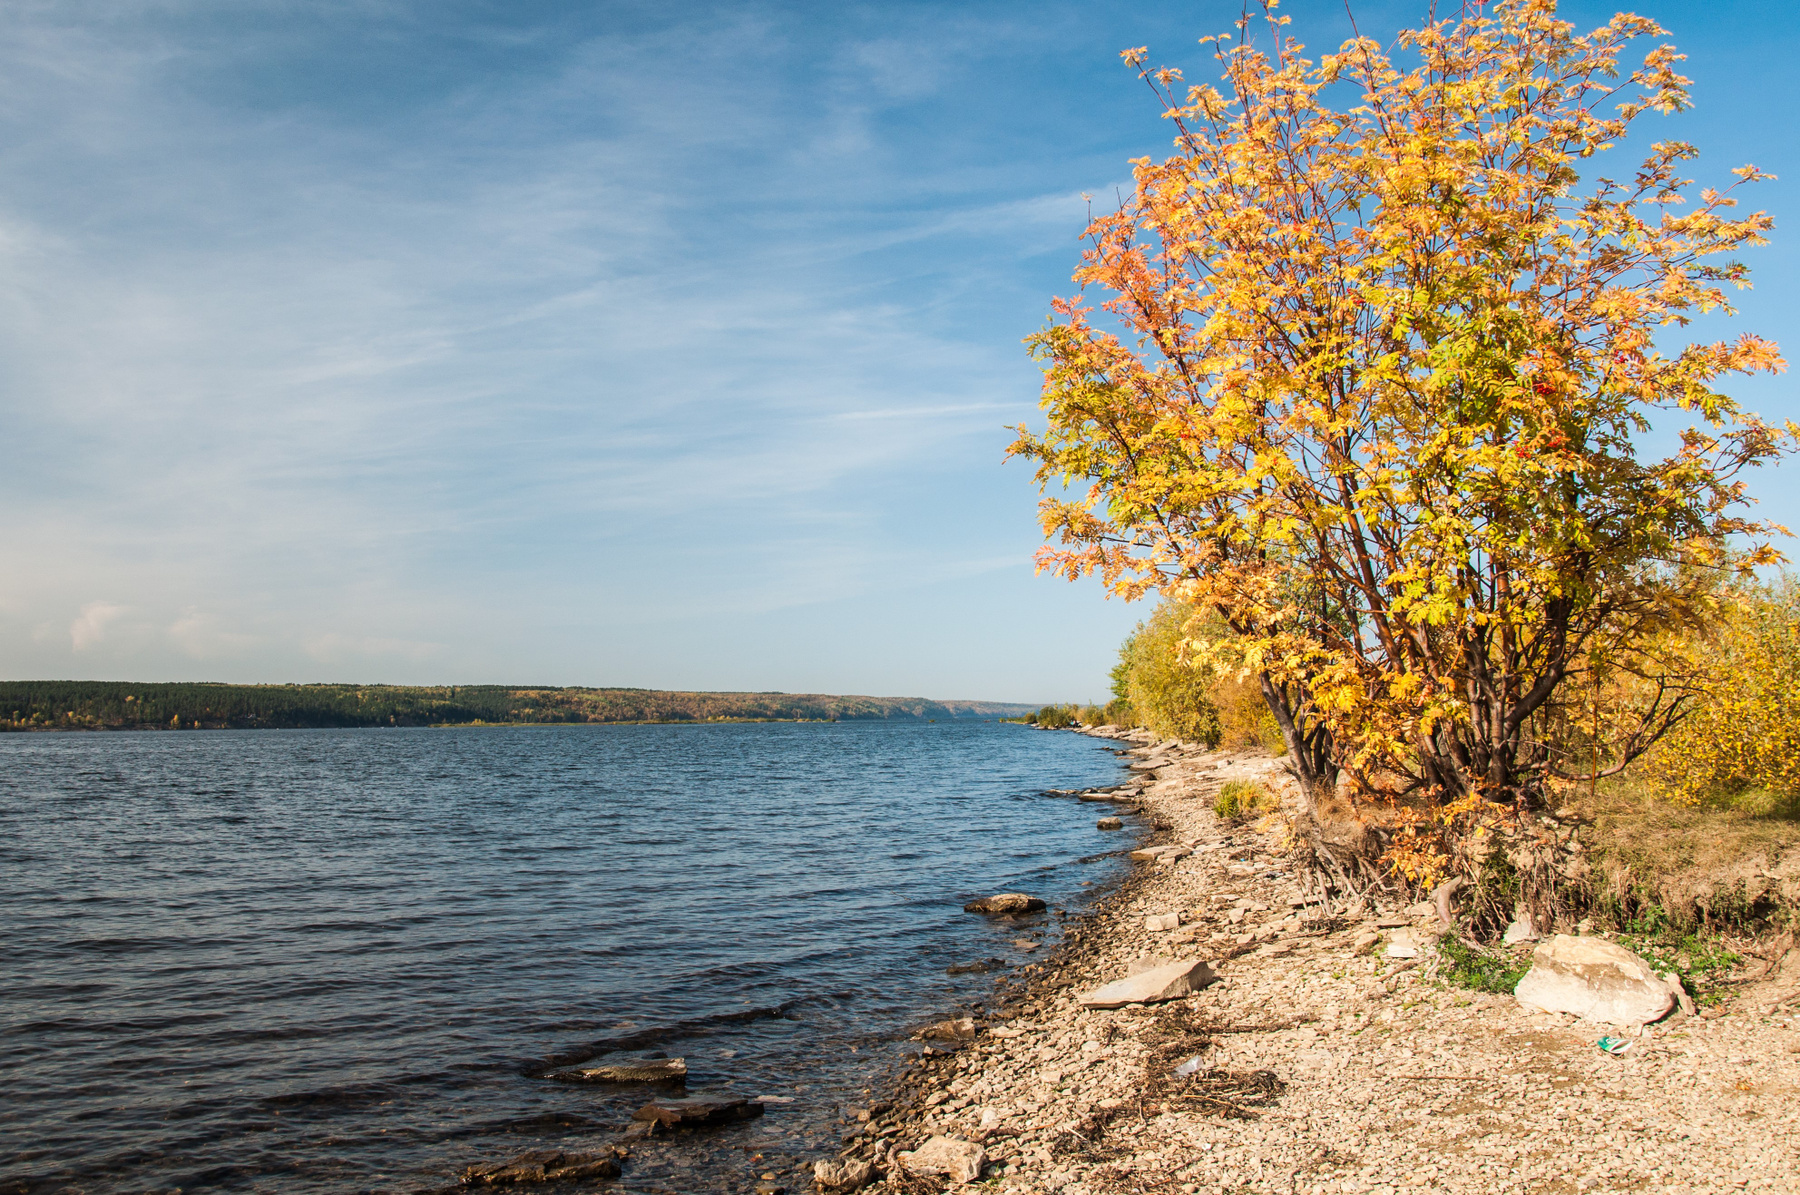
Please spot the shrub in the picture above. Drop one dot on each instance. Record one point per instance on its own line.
(1243, 798)
(1466, 966)
(1165, 693)
(1739, 747)
(1055, 717)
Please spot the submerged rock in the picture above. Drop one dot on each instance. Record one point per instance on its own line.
(697, 1111)
(541, 1166)
(1168, 982)
(961, 1029)
(641, 1070)
(1596, 980)
(1109, 823)
(978, 967)
(1005, 902)
(961, 1161)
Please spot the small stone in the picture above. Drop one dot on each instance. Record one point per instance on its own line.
(1594, 979)
(1109, 823)
(1403, 945)
(1365, 942)
(1518, 931)
(843, 1175)
(961, 1029)
(956, 1159)
(1006, 903)
(1163, 922)
(1682, 1000)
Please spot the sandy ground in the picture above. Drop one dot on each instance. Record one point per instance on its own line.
(1322, 1069)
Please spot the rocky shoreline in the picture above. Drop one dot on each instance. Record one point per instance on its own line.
(1326, 1055)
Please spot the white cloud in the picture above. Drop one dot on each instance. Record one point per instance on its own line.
(90, 627)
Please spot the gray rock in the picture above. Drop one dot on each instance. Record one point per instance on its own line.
(1005, 902)
(1169, 982)
(1163, 922)
(958, 1160)
(541, 1166)
(1519, 930)
(639, 1070)
(1596, 980)
(1109, 823)
(692, 1113)
(843, 1174)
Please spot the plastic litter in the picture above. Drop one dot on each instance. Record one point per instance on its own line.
(1613, 1045)
(1190, 1067)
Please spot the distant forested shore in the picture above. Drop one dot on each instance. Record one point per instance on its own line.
(125, 705)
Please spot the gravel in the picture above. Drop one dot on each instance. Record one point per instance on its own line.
(1325, 1065)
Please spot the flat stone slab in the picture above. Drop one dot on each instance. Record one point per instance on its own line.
(541, 1166)
(638, 1070)
(698, 1111)
(1596, 980)
(1169, 982)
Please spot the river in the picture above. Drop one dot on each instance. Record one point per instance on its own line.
(342, 960)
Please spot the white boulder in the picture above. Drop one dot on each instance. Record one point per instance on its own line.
(1596, 980)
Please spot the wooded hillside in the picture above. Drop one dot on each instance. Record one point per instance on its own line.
(125, 705)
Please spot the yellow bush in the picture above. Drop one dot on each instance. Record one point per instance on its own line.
(1741, 742)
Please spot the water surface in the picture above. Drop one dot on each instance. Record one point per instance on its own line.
(340, 960)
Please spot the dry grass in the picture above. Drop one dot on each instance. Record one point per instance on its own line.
(1720, 868)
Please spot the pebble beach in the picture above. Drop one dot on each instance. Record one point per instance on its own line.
(1316, 1062)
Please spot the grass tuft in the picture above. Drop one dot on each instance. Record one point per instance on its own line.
(1239, 799)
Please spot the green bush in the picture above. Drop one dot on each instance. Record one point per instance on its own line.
(1701, 959)
(1465, 966)
(1055, 717)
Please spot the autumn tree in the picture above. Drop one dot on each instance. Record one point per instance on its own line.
(1370, 374)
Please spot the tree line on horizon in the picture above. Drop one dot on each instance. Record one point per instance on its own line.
(126, 705)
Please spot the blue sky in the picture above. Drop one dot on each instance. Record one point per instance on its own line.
(647, 344)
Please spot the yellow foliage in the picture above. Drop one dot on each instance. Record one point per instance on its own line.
(1369, 373)
(1742, 735)
(1167, 691)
